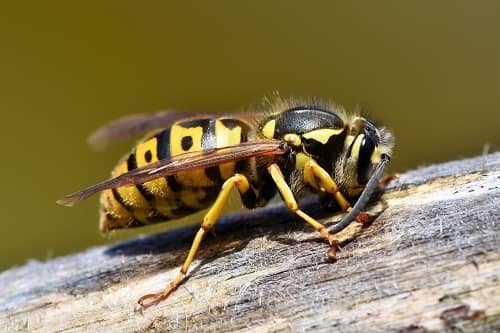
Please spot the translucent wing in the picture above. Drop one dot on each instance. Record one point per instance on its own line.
(133, 125)
(185, 162)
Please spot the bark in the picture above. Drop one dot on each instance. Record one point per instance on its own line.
(429, 262)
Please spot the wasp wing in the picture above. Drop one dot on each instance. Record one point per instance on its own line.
(184, 162)
(127, 127)
(132, 125)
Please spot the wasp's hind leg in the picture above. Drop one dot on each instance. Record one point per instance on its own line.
(241, 183)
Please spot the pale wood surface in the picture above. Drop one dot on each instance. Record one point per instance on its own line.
(430, 262)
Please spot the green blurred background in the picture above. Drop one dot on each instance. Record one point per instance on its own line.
(429, 70)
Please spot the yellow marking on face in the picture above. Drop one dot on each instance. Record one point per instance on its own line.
(292, 139)
(300, 160)
(353, 188)
(356, 146)
(227, 137)
(323, 134)
(376, 156)
(348, 141)
(268, 129)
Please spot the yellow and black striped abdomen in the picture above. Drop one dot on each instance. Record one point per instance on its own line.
(178, 195)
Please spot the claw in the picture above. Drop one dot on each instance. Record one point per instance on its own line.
(153, 299)
(363, 218)
(332, 252)
(386, 180)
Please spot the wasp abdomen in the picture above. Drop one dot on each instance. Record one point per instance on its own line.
(177, 195)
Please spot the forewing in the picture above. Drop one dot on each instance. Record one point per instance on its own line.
(133, 125)
(185, 162)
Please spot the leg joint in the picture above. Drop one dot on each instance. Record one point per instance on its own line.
(318, 178)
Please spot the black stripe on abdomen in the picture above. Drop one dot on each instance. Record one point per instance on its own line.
(163, 153)
(163, 145)
(154, 215)
(131, 165)
(121, 201)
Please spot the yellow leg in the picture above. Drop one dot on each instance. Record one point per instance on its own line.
(209, 221)
(318, 178)
(291, 203)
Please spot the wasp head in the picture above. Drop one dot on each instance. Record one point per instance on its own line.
(364, 147)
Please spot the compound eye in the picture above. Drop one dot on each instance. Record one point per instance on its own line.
(365, 166)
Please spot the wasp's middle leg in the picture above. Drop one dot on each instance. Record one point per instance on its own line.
(241, 183)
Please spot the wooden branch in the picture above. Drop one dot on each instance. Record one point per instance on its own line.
(430, 262)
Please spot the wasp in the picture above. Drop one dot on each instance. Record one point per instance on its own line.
(291, 148)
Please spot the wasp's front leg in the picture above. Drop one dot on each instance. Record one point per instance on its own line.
(320, 179)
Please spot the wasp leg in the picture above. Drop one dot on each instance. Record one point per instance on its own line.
(387, 179)
(291, 203)
(241, 183)
(318, 178)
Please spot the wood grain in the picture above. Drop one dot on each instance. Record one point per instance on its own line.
(430, 262)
